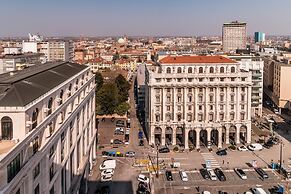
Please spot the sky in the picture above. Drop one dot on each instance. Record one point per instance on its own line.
(141, 17)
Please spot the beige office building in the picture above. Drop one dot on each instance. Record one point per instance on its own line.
(234, 36)
(198, 100)
(48, 134)
(277, 82)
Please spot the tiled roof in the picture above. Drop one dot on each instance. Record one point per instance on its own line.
(195, 59)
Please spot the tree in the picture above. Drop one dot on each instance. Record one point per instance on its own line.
(123, 88)
(122, 108)
(106, 98)
(98, 80)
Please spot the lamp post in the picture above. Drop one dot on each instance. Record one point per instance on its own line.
(157, 174)
(281, 148)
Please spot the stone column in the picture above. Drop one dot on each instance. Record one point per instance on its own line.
(164, 107)
(197, 138)
(206, 112)
(237, 134)
(249, 103)
(226, 103)
(227, 134)
(186, 138)
(184, 104)
(174, 136)
(195, 104)
(219, 138)
(174, 108)
(249, 132)
(163, 141)
(208, 135)
(237, 94)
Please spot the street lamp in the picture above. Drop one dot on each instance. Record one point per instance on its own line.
(157, 173)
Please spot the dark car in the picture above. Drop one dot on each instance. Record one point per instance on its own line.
(117, 141)
(274, 140)
(204, 173)
(221, 152)
(142, 188)
(169, 175)
(220, 174)
(120, 123)
(262, 173)
(164, 150)
(104, 153)
(118, 132)
(103, 190)
(141, 142)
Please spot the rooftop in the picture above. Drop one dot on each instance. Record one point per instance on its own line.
(19, 88)
(5, 146)
(195, 59)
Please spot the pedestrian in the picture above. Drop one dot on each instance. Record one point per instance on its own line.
(222, 162)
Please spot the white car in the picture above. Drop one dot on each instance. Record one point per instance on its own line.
(106, 178)
(119, 129)
(212, 175)
(241, 173)
(255, 147)
(242, 148)
(206, 192)
(183, 176)
(143, 178)
(107, 172)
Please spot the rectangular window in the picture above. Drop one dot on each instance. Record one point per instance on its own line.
(231, 106)
(179, 98)
(222, 79)
(35, 145)
(190, 98)
(179, 117)
(179, 108)
(200, 98)
(210, 117)
(157, 99)
(200, 116)
(157, 118)
(242, 97)
(36, 170)
(189, 117)
(221, 89)
(221, 98)
(190, 90)
(168, 99)
(243, 89)
(200, 79)
(168, 108)
(221, 116)
(189, 107)
(221, 107)
(211, 79)
(211, 107)
(200, 107)
(232, 116)
(242, 116)
(242, 106)
(210, 98)
(232, 89)
(13, 168)
(232, 79)
(211, 89)
(200, 89)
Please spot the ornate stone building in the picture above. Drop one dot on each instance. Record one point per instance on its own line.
(198, 101)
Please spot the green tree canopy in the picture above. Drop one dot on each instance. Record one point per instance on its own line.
(123, 88)
(98, 80)
(106, 98)
(122, 108)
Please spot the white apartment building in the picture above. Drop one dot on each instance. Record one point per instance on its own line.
(198, 100)
(234, 36)
(48, 134)
(255, 65)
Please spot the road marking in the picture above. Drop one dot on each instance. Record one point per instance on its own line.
(210, 157)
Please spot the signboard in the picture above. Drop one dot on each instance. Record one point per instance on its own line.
(208, 163)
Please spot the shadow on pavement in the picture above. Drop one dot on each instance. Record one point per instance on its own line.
(115, 187)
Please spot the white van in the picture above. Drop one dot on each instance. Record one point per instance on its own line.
(258, 190)
(255, 147)
(108, 164)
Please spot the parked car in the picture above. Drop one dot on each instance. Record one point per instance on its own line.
(164, 150)
(120, 123)
(212, 175)
(255, 147)
(130, 154)
(275, 140)
(107, 171)
(142, 188)
(117, 132)
(258, 190)
(221, 152)
(143, 178)
(183, 176)
(106, 178)
(141, 142)
(169, 175)
(204, 173)
(119, 129)
(206, 192)
(242, 148)
(241, 173)
(117, 141)
(220, 175)
(262, 173)
(268, 144)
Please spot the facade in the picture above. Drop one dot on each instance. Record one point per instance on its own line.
(48, 134)
(259, 37)
(277, 82)
(18, 61)
(255, 65)
(198, 100)
(60, 51)
(234, 36)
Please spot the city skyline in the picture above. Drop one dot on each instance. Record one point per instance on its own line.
(140, 18)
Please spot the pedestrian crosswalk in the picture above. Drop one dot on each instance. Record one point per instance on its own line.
(211, 158)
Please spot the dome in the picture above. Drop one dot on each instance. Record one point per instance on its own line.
(121, 41)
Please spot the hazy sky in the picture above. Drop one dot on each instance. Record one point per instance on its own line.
(141, 17)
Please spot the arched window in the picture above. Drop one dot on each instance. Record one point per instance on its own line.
(190, 70)
(200, 69)
(232, 69)
(211, 70)
(6, 128)
(34, 118)
(61, 97)
(221, 69)
(168, 70)
(49, 106)
(179, 70)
